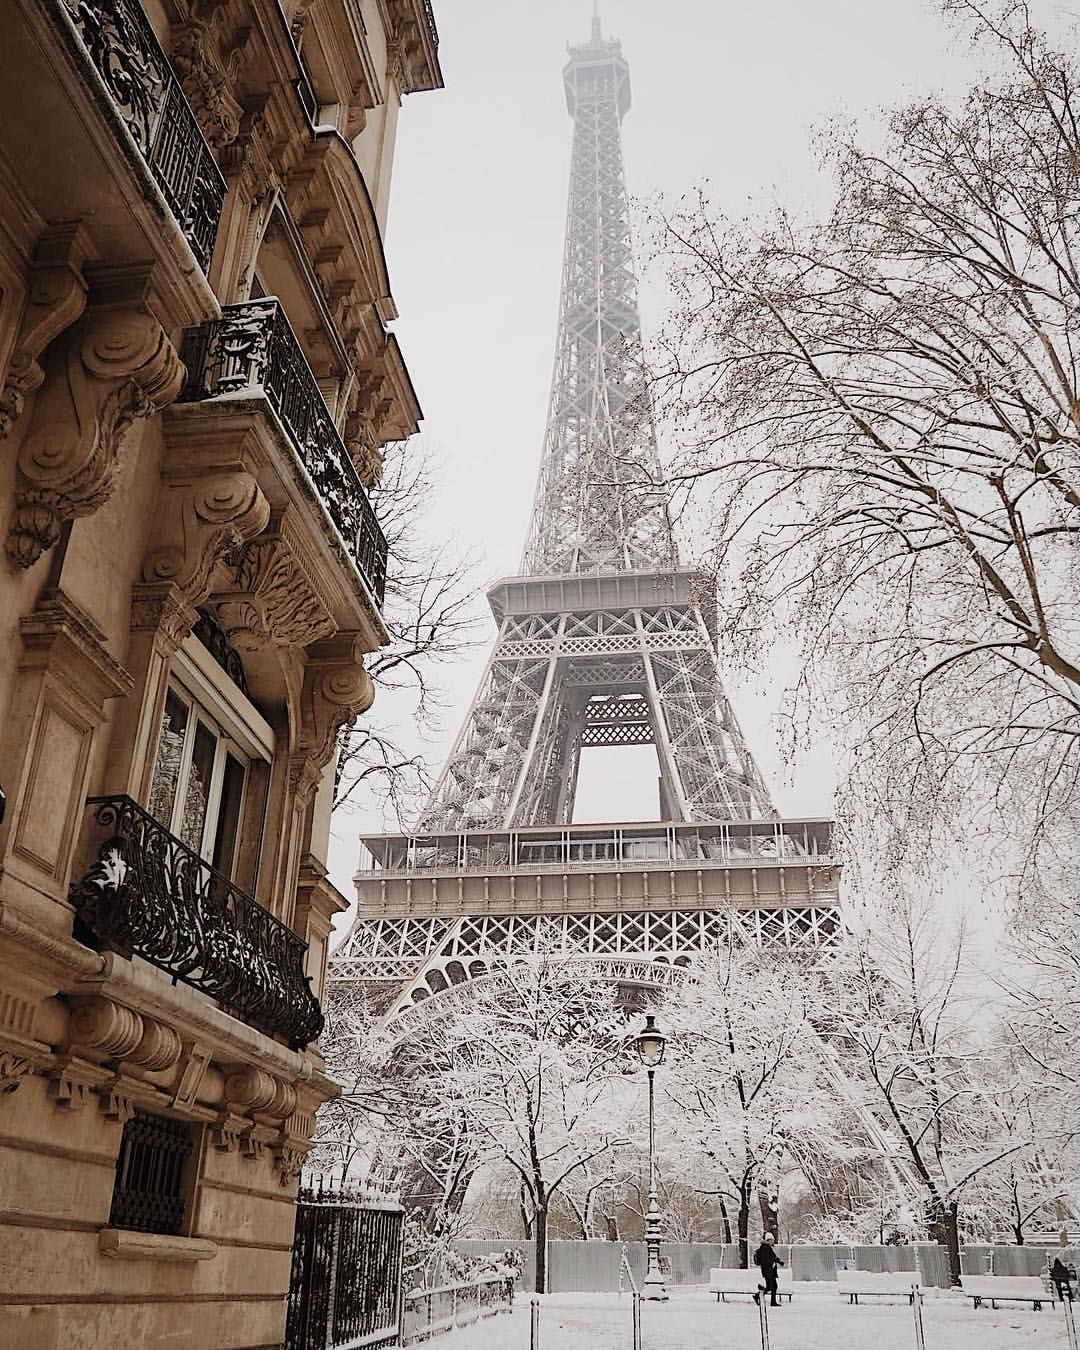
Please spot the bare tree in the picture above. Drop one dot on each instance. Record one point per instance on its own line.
(746, 1084)
(430, 614)
(531, 1063)
(880, 415)
(907, 1030)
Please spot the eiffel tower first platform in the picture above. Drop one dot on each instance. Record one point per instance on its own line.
(603, 640)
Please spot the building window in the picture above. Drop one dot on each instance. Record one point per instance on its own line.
(200, 778)
(151, 1175)
(212, 765)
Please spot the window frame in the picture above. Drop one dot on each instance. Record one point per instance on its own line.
(213, 701)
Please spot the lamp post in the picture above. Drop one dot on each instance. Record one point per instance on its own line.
(650, 1045)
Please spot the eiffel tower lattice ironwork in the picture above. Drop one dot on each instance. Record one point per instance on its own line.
(604, 640)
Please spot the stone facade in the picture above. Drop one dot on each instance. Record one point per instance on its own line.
(196, 382)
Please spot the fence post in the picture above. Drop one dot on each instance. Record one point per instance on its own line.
(916, 1312)
(534, 1324)
(637, 1321)
(1070, 1322)
(763, 1318)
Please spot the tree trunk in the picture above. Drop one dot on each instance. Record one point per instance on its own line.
(952, 1242)
(724, 1219)
(944, 1228)
(744, 1228)
(540, 1266)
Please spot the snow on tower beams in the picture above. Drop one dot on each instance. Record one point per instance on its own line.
(597, 504)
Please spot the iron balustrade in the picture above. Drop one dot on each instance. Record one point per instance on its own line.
(143, 88)
(252, 349)
(150, 895)
(433, 32)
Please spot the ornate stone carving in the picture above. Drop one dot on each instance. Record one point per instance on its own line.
(271, 597)
(57, 297)
(115, 1104)
(161, 607)
(336, 690)
(13, 1069)
(260, 1093)
(201, 522)
(112, 367)
(208, 80)
(159, 1047)
(195, 1066)
(74, 1078)
(250, 1088)
(229, 1130)
(290, 1161)
(107, 1028)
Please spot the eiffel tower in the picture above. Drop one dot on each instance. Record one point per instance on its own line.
(604, 639)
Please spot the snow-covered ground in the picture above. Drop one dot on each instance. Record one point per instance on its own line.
(816, 1319)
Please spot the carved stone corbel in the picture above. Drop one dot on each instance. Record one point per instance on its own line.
(290, 1161)
(336, 690)
(229, 1130)
(113, 366)
(73, 1078)
(57, 297)
(271, 597)
(201, 522)
(208, 80)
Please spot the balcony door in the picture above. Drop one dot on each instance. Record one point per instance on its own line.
(200, 781)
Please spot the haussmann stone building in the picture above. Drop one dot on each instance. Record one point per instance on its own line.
(196, 376)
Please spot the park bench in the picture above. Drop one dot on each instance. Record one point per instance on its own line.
(871, 1284)
(995, 1289)
(723, 1282)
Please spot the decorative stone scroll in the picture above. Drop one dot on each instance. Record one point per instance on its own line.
(336, 690)
(201, 522)
(113, 366)
(57, 298)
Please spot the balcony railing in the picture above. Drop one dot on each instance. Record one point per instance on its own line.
(252, 350)
(126, 54)
(433, 32)
(149, 895)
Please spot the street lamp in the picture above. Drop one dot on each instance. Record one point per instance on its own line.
(650, 1045)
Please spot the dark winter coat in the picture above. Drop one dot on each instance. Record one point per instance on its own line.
(766, 1258)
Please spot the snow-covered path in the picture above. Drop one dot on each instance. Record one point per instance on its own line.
(816, 1319)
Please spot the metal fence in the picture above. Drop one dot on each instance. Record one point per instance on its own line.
(593, 1266)
(345, 1290)
(430, 1311)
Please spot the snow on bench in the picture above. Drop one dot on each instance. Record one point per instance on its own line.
(870, 1284)
(723, 1282)
(995, 1289)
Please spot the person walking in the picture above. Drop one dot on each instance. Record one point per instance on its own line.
(1062, 1277)
(766, 1260)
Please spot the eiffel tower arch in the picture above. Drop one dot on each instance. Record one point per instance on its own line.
(604, 639)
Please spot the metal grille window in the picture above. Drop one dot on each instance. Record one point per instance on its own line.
(149, 1191)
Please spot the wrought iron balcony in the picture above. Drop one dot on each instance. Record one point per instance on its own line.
(147, 95)
(149, 895)
(252, 351)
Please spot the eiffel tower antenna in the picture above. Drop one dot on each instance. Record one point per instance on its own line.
(604, 639)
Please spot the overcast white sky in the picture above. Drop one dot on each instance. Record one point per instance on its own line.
(722, 91)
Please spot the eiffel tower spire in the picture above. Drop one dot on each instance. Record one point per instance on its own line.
(596, 504)
(603, 640)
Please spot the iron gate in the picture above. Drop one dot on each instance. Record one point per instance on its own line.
(345, 1289)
